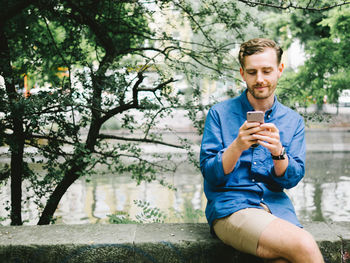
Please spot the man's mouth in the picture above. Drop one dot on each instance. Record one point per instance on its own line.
(260, 87)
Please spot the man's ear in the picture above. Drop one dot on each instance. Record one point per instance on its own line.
(280, 69)
(241, 70)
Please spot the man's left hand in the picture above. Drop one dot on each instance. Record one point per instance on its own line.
(269, 137)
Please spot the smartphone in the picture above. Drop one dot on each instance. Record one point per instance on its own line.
(255, 116)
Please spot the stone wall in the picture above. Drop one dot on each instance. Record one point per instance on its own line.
(166, 243)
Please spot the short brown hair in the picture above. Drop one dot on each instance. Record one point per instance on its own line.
(257, 45)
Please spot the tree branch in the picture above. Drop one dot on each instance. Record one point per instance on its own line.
(112, 154)
(158, 87)
(10, 11)
(98, 30)
(57, 152)
(106, 136)
(291, 5)
(45, 137)
(194, 21)
(55, 45)
(164, 51)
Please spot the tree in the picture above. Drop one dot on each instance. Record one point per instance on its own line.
(110, 50)
(325, 37)
(121, 58)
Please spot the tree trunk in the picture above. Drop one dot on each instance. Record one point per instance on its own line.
(69, 178)
(319, 108)
(16, 141)
(337, 108)
(72, 174)
(16, 177)
(76, 168)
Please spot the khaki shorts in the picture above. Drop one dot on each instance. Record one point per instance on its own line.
(242, 229)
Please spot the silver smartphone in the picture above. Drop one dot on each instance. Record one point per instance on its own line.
(255, 116)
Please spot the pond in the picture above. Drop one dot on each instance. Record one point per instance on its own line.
(323, 195)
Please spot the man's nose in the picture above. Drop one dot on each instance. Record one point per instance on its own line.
(259, 77)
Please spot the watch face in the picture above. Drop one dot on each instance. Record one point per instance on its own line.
(283, 155)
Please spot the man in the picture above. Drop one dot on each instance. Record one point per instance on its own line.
(247, 207)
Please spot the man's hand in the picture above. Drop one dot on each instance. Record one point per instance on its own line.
(269, 137)
(243, 141)
(246, 137)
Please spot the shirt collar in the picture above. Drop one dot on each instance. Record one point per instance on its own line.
(248, 107)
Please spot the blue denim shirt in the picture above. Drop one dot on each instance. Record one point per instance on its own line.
(253, 179)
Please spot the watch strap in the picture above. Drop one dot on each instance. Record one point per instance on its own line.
(281, 156)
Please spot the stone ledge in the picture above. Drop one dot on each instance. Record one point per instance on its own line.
(156, 243)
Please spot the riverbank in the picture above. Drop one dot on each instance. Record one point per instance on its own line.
(328, 139)
(157, 243)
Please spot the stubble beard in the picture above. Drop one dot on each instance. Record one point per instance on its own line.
(260, 96)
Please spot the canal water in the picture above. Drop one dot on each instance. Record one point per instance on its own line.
(323, 195)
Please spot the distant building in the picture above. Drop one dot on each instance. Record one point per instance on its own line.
(344, 98)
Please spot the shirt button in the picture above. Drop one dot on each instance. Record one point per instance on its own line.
(253, 180)
(254, 163)
(262, 199)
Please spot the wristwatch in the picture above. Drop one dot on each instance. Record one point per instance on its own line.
(282, 156)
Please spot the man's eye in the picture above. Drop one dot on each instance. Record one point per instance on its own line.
(251, 73)
(267, 71)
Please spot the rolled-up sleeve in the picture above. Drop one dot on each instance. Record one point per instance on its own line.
(296, 152)
(212, 150)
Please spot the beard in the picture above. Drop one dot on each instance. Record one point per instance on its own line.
(261, 93)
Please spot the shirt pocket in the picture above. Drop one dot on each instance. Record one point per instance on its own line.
(262, 163)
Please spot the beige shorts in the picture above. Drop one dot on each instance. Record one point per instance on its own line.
(242, 229)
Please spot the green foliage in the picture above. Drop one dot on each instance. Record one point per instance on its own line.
(108, 60)
(87, 40)
(148, 214)
(2, 219)
(189, 215)
(120, 218)
(325, 37)
(151, 214)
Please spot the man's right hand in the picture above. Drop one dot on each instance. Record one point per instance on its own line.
(243, 141)
(245, 137)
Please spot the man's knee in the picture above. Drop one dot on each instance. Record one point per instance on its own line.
(306, 244)
(284, 240)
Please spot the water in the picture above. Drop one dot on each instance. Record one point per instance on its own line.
(322, 195)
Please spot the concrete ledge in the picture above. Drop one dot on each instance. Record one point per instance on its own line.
(170, 243)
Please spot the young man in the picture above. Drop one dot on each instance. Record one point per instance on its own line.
(247, 207)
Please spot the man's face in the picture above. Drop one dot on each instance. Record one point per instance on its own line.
(261, 73)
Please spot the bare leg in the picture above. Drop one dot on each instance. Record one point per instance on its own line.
(282, 240)
(278, 260)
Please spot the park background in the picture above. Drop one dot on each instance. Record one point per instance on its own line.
(103, 104)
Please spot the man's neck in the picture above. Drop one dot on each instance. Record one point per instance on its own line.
(261, 104)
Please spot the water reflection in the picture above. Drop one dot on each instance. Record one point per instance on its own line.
(322, 196)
